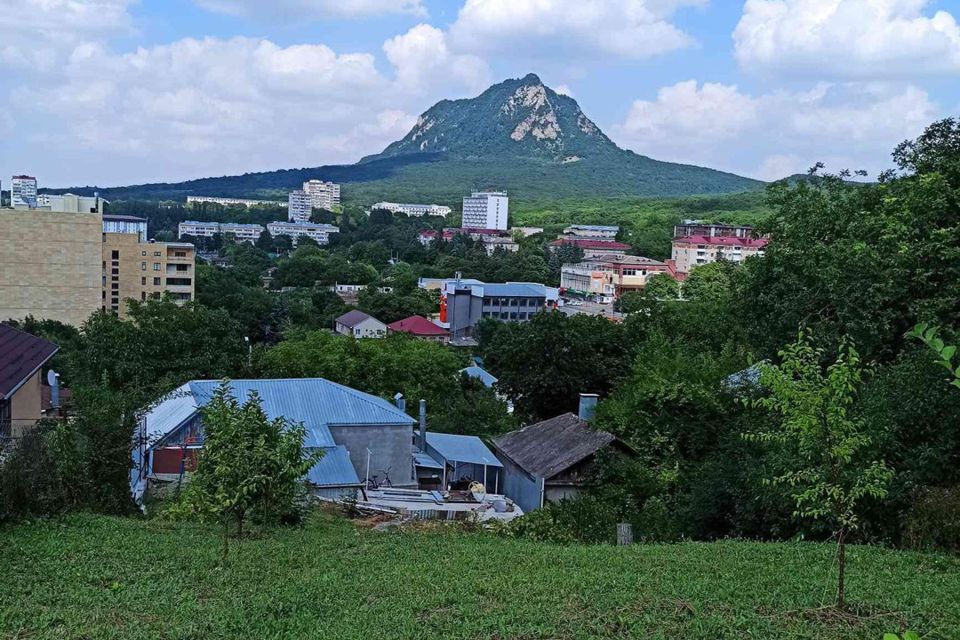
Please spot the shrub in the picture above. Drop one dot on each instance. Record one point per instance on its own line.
(933, 522)
(40, 475)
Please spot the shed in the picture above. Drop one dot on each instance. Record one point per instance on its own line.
(463, 459)
(549, 461)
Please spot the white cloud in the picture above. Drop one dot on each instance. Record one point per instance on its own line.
(772, 135)
(313, 9)
(849, 39)
(544, 29)
(422, 58)
(563, 90)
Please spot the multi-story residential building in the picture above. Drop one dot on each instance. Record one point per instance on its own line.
(234, 201)
(692, 251)
(50, 264)
(136, 270)
(608, 277)
(507, 243)
(486, 210)
(323, 195)
(125, 224)
(299, 206)
(463, 304)
(320, 233)
(23, 192)
(70, 203)
(697, 228)
(593, 248)
(594, 231)
(240, 232)
(413, 210)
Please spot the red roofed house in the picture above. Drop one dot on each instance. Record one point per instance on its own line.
(22, 357)
(420, 327)
(692, 251)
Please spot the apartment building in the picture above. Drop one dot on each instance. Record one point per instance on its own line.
(698, 228)
(323, 195)
(464, 303)
(320, 233)
(50, 264)
(233, 201)
(593, 248)
(299, 206)
(592, 231)
(240, 232)
(413, 210)
(23, 192)
(696, 243)
(608, 277)
(135, 270)
(486, 210)
(125, 224)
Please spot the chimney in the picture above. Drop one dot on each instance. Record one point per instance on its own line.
(423, 425)
(588, 406)
(400, 401)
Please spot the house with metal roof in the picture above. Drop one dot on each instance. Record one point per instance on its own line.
(358, 324)
(420, 327)
(360, 434)
(22, 358)
(551, 460)
(463, 304)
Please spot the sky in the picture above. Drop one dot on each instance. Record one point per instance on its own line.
(117, 92)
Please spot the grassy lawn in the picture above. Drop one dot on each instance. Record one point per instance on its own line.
(94, 577)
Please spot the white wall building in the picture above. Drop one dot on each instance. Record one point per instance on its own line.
(320, 233)
(233, 201)
(323, 195)
(23, 192)
(486, 210)
(299, 206)
(70, 203)
(242, 232)
(413, 210)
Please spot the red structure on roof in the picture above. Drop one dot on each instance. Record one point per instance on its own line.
(419, 327)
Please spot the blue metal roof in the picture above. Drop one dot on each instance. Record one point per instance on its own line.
(334, 469)
(425, 461)
(455, 448)
(515, 289)
(316, 402)
(484, 376)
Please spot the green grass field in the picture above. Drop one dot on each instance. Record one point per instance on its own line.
(96, 577)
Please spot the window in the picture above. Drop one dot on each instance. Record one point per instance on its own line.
(514, 302)
(156, 254)
(143, 253)
(180, 254)
(178, 282)
(143, 282)
(156, 266)
(504, 315)
(115, 286)
(183, 267)
(143, 266)
(114, 255)
(156, 282)
(104, 280)
(143, 295)
(513, 315)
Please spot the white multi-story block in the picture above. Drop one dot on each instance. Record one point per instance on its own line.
(486, 210)
(413, 210)
(299, 206)
(323, 195)
(241, 232)
(23, 192)
(198, 229)
(320, 233)
(233, 201)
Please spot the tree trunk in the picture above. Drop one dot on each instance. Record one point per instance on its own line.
(842, 562)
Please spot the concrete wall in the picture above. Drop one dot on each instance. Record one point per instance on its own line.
(390, 447)
(50, 264)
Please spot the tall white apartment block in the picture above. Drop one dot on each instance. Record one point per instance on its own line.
(299, 206)
(323, 195)
(318, 232)
(23, 192)
(413, 210)
(486, 210)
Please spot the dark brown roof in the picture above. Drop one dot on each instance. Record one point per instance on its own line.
(353, 318)
(546, 448)
(21, 354)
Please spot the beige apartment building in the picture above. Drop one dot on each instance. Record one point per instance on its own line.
(64, 266)
(50, 264)
(134, 270)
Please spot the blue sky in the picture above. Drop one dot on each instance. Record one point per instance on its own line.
(115, 92)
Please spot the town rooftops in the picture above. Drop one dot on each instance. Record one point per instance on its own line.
(21, 356)
(316, 402)
(353, 318)
(590, 243)
(418, 326)
(546, 448)
(334, 469)
(595, 227)
(464, 449)
(629, 260)
(726, 241)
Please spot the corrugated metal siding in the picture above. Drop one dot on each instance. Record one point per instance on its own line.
(484, 376)
(424, 461)
(334, 469)
(461, 449)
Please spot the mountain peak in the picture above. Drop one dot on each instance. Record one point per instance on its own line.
(517, 117)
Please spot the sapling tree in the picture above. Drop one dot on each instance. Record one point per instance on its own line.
(945, 352)
(249, 465)
(824, 444)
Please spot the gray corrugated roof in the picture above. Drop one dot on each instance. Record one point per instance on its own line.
(353, 318)
(455, 448)
(424, 461)
(546, 448)
(484, 376)
(334, 469)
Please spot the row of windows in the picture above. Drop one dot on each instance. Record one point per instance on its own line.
(505, 315)
(513, 302)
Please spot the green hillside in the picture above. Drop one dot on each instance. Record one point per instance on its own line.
(518, 135)
(95, 577)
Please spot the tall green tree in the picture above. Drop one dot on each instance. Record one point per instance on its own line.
(822, 444)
